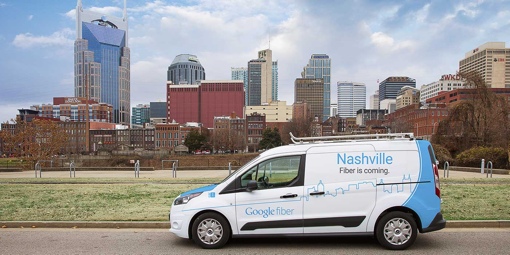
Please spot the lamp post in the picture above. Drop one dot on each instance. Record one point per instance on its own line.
(434, 127)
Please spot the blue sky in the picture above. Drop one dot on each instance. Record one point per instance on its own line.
(367, 41)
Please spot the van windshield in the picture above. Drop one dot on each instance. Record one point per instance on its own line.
(240, 169)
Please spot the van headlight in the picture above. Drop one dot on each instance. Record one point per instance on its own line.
(186, 199)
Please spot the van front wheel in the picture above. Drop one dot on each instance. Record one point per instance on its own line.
(396, 230)
(210, 231)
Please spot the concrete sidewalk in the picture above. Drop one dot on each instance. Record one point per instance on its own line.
(159, 174)
(187, 174)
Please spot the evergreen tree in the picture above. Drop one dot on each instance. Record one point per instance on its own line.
(194, 141)
(270, 138)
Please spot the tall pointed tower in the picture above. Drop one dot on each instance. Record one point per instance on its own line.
(102, 61)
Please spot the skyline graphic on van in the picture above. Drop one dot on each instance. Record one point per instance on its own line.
(399, 187)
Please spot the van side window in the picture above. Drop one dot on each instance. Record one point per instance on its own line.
(273, 173)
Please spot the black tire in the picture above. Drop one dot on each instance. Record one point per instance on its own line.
(210, 231)
(396, 231)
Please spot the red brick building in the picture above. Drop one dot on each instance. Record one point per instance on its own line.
(422, 121)
(201, 103)
(457, 95)
(255, 125)
(75, 108)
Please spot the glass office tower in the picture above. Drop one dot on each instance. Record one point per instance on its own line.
(319, 67)
(274, 89)
(241, 73)
(351, 98)
(102, 61)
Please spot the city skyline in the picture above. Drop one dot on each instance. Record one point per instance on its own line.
(420, 40)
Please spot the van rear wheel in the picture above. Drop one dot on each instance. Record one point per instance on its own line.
(210, 231)
(396, 230)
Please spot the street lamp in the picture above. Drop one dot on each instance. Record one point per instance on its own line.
(434, 127)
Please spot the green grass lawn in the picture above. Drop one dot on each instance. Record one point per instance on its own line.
(89, 199)
(476, 199)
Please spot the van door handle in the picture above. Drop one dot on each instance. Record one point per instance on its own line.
(317, 193)
(289, 196)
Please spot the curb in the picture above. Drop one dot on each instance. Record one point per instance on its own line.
(85, 224)
(166, 224)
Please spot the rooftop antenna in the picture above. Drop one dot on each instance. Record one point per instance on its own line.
(124, 12)
(269, 38)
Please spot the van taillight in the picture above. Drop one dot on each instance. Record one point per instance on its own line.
(436, 180)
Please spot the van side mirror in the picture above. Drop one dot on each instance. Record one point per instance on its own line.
(251, 185)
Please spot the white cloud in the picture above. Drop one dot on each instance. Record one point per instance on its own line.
(30, 17)
(386, 43)
(71, 14)
(148, 80)
(109, 10)
(469, 9)
(422, 14)
(382, 40)
(59, 38)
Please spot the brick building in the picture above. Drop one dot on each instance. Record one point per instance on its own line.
(201, 103)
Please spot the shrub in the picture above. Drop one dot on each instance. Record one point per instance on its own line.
(473, 157)
(442, 154)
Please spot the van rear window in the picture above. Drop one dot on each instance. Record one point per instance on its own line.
(432, 155)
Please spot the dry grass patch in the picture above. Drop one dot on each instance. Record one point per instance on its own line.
(88, 202)
(476, 201)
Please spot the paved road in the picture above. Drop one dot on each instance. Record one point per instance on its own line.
(183, 174)
(158, 241)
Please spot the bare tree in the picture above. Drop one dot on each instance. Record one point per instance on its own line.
(37, 140)
(298, 127)
(221, 139)
(237, 140)
(480, 120)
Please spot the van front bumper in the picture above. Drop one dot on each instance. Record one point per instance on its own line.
(437, 223)
(179, 223)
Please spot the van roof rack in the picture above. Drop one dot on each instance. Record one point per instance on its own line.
(347, 138)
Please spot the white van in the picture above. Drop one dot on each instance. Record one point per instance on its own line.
(385, 185)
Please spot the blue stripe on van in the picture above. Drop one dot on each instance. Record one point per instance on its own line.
(424, 200)
(201, 189)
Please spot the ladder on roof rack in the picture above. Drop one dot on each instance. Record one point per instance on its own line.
(339, 138)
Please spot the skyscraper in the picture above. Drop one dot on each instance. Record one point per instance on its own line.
(274, 86)
(374, 100)
(141, 115)
(319, 67)
(310, 91)
(102, 61)
(492, 61)
(351, 98)
(185, 69)
(260, 79)
(241, 74)
(389, 88)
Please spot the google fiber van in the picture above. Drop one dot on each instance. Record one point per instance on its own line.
(384, 185)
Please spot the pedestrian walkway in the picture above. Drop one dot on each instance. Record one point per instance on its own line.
(187, 174)
(462, 174)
